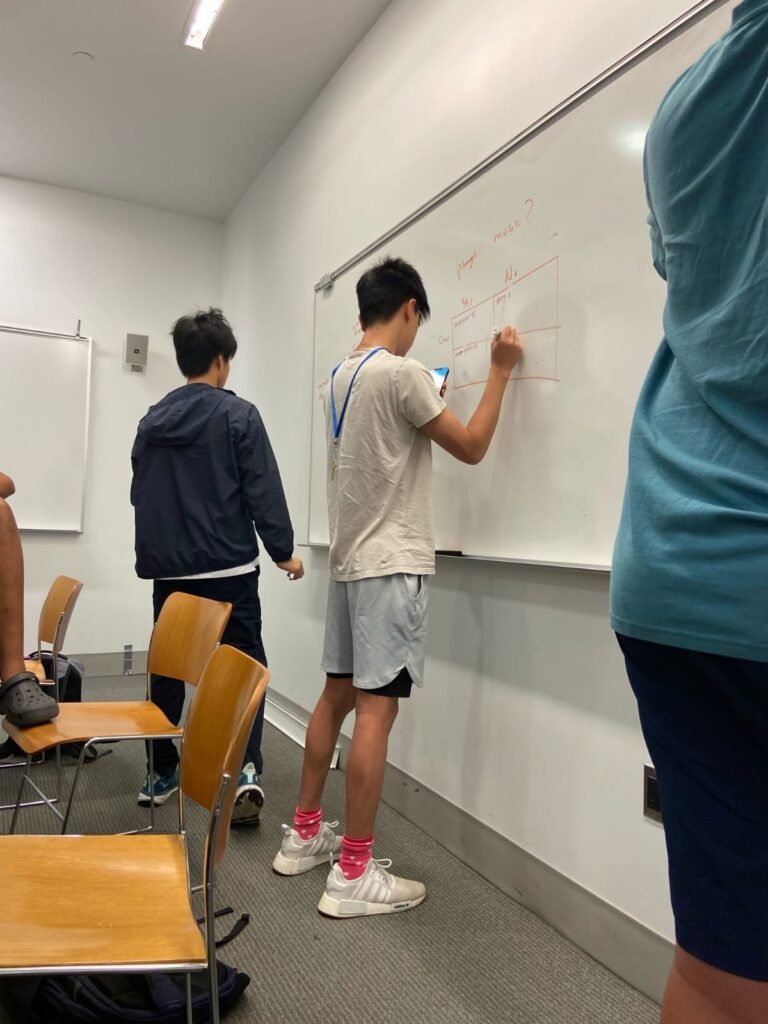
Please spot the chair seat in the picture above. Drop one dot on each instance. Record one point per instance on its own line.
(77, 723)
(81, 902)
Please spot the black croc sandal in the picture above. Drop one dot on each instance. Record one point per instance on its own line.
(24, 703)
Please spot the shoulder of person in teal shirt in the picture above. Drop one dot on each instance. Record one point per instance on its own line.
(691, 559)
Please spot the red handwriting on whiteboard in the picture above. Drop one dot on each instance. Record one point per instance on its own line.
(466, 350)
(466, 303)
(467, 264)
(508, 229)
(515, 223)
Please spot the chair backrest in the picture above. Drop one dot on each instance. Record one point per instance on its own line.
(57, 611)
(185, 635)
(216, 733)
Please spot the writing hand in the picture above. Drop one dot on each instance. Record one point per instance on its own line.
(506, 350)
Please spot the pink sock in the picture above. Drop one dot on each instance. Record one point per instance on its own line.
(307, 823)
(355, 854)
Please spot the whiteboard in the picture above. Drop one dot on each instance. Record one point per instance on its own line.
(44, 426)
(552, 239)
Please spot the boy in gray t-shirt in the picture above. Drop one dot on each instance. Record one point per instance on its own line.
(382, 414)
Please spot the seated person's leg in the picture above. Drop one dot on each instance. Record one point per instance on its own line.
(21, 697)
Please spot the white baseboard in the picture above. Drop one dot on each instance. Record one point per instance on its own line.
(291, 720)
(111, 664)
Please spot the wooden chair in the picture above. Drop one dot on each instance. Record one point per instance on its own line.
(123, 903)
(52, 630)
(185, 635)
(53, 624)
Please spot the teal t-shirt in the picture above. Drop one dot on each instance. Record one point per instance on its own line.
(690, 565)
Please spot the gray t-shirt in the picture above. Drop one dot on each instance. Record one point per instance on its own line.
(380, 472)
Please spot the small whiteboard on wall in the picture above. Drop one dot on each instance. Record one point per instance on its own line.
(44, 413)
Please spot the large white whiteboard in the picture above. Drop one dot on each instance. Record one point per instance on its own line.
(552, 239)
(44, 427)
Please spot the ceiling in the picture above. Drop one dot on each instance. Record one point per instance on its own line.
(150, 120)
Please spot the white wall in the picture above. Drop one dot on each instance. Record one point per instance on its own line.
(120, 268)
(527, 721)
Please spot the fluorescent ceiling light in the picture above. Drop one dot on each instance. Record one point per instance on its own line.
(200, 22)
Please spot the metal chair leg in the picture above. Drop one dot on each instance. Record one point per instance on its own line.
(15, 817)
(20, 764)
(151, 786)
(80, 763)
(210, 939)
(188, 996)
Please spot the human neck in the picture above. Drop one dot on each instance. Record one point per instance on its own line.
(211, 378)
(380, 336)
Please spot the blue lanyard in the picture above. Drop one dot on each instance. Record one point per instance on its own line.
(338, 421)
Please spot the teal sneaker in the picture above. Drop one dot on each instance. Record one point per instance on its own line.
(163, 788)
(249, 797)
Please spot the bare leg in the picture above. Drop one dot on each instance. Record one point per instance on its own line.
(698, 993)
(337, 700)
(374, 718)
(11, 595)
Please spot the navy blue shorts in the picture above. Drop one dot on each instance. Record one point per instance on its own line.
(705, 720)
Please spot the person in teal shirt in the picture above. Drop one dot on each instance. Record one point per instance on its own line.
(689, 591)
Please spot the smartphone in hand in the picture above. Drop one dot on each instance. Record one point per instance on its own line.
(440, 376)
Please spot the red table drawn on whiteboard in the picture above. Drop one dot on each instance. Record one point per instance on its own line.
(530, 303)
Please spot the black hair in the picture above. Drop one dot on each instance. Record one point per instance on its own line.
(383, 289)
(198, 339)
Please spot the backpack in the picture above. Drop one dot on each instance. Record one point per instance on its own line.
(154, 998)
(119, 998)
(71, 674)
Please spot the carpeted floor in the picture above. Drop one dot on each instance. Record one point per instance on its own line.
(469, 955)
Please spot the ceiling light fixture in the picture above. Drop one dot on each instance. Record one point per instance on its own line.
(200, 22)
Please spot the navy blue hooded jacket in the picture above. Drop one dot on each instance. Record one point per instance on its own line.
(204, 476)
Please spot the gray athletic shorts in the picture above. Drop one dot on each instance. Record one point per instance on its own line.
(375, 628)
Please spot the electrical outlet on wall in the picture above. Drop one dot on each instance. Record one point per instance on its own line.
(651, 794)
(128, 660)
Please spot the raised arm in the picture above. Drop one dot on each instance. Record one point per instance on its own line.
(470, 443)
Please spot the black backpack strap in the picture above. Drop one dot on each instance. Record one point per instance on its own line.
(243, 921)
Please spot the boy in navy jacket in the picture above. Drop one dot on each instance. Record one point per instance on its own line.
(205, 483)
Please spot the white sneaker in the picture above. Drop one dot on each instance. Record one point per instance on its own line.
(376, 891)
(298, 855)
